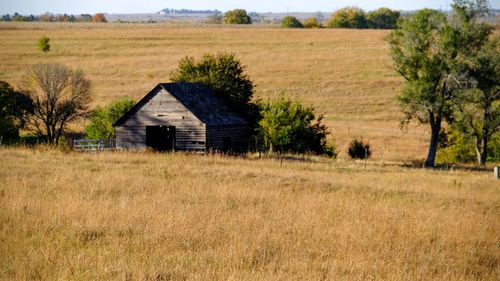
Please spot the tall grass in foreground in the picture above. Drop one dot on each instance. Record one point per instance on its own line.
(134, 216)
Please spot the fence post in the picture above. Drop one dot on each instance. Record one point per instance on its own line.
(497, 172)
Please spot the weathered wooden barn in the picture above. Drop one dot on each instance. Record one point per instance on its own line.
(182, 116)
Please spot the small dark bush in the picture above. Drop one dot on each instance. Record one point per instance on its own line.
(44, 44)
(359, 150)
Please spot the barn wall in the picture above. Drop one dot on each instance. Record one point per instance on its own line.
(162, 109)
(236, 133)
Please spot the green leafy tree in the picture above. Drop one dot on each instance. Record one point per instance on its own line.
(478, 110)
(224, 74)
(477, 113)
(44, 44)
(442, 59)
(494, 149)
(383, 18)
(58, 95)
(312, 22)
(460, 148)
(348, 17)
(237, 16)
(291, 22)
(17, 17)
(423, 53)
(103, 118)
(455, 147)
(14, 107)
(287, 126)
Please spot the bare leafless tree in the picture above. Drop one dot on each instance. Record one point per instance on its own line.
(59, 96)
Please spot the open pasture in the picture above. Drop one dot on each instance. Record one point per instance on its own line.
(345, 74)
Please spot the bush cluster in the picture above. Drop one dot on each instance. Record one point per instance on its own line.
(349, 17)
(237, 16)
(291, 22)
(359, 149)
(456, 147)
(288, 126)
(49, 17)
(103, 118)
(354, 17)
(44, 44)
(312, 22)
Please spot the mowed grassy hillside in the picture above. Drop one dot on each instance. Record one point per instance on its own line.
(345, 74)
(136, 216)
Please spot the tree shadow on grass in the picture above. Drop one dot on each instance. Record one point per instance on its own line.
(419, 164)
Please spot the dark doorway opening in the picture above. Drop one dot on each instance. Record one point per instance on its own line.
(160, 138)
(227, 145)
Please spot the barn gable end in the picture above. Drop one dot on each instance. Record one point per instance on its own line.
(160, 108)
(197, 119)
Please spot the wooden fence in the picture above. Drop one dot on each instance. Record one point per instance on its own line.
(94, 145)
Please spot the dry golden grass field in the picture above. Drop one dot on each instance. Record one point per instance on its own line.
(146, 216)
(142, 216)
(345, 74)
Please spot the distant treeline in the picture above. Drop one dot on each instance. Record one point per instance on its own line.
(49, 17)
(348, 17)
(187, 11)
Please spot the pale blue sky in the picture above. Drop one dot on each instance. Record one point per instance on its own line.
(150, 6)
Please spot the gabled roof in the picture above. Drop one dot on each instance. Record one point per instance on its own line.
(198, 99)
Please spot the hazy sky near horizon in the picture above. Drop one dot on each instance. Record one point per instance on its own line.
(151, 6)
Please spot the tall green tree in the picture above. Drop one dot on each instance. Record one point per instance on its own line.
(14, 108)
(224, 74)
(477, 112)
(348, 17)
(237, 16)
(103, 118)
(478, 109)
(420, 49)
(450, 72)
(383, 18)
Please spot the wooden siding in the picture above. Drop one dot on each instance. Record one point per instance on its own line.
(237, 134)
(201, 121)
(162, 110)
